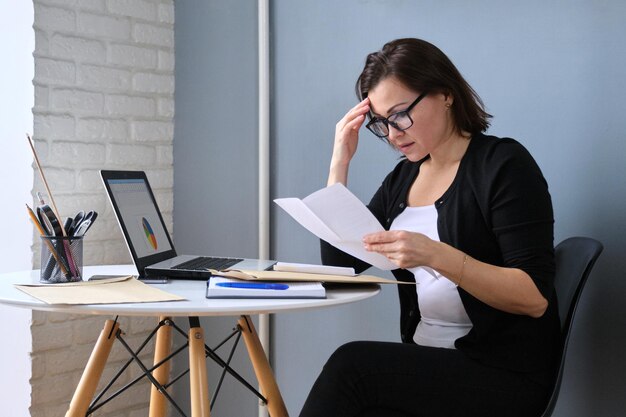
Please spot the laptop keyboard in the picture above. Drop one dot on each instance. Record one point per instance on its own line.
(203, 263)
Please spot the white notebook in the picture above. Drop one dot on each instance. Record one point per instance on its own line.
(220, 287)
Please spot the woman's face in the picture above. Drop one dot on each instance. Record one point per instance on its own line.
(432, 117)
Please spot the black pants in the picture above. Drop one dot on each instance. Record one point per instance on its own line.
(394, 379)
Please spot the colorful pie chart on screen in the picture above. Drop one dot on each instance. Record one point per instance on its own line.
(149, 233)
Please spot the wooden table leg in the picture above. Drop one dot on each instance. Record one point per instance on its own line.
(163, 347)
(198, 382)
(93, 371)
(262, 369)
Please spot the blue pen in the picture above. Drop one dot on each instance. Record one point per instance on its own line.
(253, 285)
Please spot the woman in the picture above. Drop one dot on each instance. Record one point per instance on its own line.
(480, 328)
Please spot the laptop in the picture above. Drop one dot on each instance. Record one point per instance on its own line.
(147, 238)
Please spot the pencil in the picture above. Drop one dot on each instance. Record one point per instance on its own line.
(42, 233)
(45, 183)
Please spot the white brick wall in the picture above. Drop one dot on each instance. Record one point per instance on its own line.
(104, 98)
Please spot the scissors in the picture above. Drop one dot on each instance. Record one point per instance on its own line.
(75, 222)
(81, 223)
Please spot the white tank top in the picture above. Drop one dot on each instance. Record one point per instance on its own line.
(444, 318)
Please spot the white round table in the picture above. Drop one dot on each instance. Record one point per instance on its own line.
(195, 304)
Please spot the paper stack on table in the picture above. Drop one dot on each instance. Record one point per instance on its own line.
(314, 269)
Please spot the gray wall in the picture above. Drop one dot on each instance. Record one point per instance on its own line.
(215, 157)
(552, 73)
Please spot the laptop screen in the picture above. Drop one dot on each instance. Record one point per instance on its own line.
(138, 216)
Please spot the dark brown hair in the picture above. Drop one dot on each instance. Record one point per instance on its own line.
(421, 66)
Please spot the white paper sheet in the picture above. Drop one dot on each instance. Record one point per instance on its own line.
(337, 216)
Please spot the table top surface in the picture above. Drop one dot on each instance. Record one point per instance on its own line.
(195, 303)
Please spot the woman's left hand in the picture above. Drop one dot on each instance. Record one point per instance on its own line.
(405, 249)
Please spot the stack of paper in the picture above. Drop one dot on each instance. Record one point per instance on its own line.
(314, 269)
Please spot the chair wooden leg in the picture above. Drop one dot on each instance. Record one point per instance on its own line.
(262, 369)
(93, 371)
(198, 382)
(163, 347)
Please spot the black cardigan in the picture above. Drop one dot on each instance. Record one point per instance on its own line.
(497, 210)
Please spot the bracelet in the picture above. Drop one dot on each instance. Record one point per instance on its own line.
(458, 283)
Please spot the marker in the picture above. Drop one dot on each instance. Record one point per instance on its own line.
(253, 285)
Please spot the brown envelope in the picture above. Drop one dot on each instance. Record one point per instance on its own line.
(249, 275)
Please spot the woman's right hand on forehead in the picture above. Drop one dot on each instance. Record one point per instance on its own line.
(346, 141)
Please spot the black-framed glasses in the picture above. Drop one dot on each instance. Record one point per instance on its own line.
(400, 121)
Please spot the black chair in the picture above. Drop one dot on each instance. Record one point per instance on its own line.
(575, 257)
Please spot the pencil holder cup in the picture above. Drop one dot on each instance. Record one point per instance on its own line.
(61, 259)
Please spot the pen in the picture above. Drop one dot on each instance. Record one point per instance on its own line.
(253, 285)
